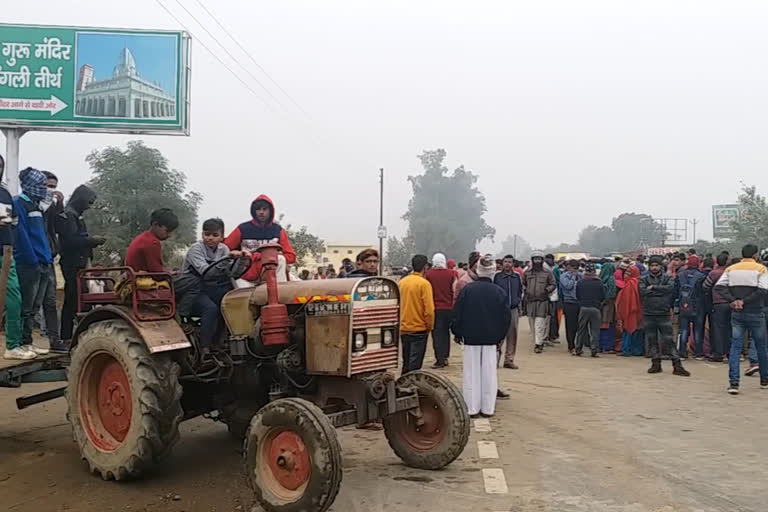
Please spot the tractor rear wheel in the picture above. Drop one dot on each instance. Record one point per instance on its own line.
(440, 435)
(123, 403)
(293, 457)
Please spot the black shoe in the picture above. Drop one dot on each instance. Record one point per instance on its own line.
(733, 388)
(474, 416)
(483, 415)
(438, 366)
(576, 353)
(679, 370)
(538, 349)
(655, 367)
(595, 354)
(60, 348)
(501, 395)
(716, 359)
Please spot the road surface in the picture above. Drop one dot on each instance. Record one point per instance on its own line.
(578, 435)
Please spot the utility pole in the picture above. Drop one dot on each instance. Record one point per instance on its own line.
(382, 231)
(694, 222)
(514, 247)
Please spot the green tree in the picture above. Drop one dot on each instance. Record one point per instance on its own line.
(399, 252)
(597, 241)
(131, 183)
(446, 211)
(634, 229)
(752, 226)
(303, 242)
(517, 247)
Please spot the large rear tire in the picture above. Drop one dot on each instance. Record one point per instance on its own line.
(444, 431)
(123, 403)
(293, 457)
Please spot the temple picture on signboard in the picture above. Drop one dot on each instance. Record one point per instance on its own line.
(126, 76)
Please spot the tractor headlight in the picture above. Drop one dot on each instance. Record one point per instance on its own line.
(387, 337)
(359, 342)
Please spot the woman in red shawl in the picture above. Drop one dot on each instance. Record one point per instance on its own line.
(629, 312)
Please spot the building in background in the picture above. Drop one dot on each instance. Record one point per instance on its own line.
(124, 94)
(334, 253)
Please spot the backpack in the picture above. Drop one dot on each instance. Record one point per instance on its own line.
(687, 291)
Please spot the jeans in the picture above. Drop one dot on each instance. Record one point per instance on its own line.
(441, 335)
(571, 312)
(589, 329)
(698, 332)
(658, 334)
(414, 347)
(69, 308)
(12, 308)
(33, 281)
(755, 322)
(720, 332)
(50, 315)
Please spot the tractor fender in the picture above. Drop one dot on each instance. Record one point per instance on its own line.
(158, 335)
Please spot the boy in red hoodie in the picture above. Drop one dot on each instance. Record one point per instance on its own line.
(261, 229)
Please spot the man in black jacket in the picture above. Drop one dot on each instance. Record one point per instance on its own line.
(76, 247)
(510, 283)
(591, 295)
(656, 293)
(482, 318)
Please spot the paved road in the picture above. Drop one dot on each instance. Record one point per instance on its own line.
(578, 435)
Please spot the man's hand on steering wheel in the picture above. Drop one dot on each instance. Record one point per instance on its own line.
(238, 265)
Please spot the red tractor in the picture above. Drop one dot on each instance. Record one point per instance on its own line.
(295, 361)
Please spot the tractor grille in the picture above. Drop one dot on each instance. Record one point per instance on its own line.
(375, 359)
(375, 316)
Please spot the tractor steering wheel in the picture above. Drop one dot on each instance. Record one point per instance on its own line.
(237, 267)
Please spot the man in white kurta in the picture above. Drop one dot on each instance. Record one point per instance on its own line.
(482, 318)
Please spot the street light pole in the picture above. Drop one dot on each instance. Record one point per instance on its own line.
(694, 222)
(382, 230)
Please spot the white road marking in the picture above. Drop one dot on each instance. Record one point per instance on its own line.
(482, 425)
(487, 450)
(494, 481)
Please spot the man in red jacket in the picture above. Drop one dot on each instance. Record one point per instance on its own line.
(442, 280)
(261, 229)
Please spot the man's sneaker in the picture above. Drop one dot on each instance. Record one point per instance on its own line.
(595, 354)
(752, 370)
(764, 384)
(655, 366)
(40, 351)
(60, 348)
(19, 353)
(700, 358)
(511, 366)
(679, 370)
(733, 389)
(538, 349)
(502, 395)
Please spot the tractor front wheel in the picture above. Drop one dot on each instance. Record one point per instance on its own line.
(437, 436)
(293, 457)
(123, 403)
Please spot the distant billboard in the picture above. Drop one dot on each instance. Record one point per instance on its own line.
(86, 79)
(723, 216)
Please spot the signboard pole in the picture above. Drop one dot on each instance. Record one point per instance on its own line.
(12, 136)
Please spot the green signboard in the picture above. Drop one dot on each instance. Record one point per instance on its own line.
(723, 216)
(88, 79)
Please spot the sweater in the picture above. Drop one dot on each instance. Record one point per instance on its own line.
(590, 292)
(746, 281)
(417, 306)
(442, 280)
(145, 254)
(31, 246)
(568, 282)
(481, 313)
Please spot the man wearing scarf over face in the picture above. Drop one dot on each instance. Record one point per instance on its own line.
(482, 317)
(539, 284)
(32, 252)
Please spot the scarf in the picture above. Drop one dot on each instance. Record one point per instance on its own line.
(628, 307)
(609, 283)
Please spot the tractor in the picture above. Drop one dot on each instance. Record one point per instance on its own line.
(294, 361)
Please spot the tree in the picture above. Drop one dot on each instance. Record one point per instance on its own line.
(517, 247)
(752, 226)
(634, 229)
(399, 252)
(303, 242)
(130, 184)
(446, 211)
(598, 241)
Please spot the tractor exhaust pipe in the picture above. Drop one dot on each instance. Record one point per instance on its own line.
(275, 324)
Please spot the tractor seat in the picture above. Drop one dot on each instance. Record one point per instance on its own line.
(100, 298)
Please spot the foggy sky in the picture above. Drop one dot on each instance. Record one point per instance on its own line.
(569, 112)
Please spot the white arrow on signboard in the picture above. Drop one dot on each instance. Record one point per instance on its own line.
(53, 105)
